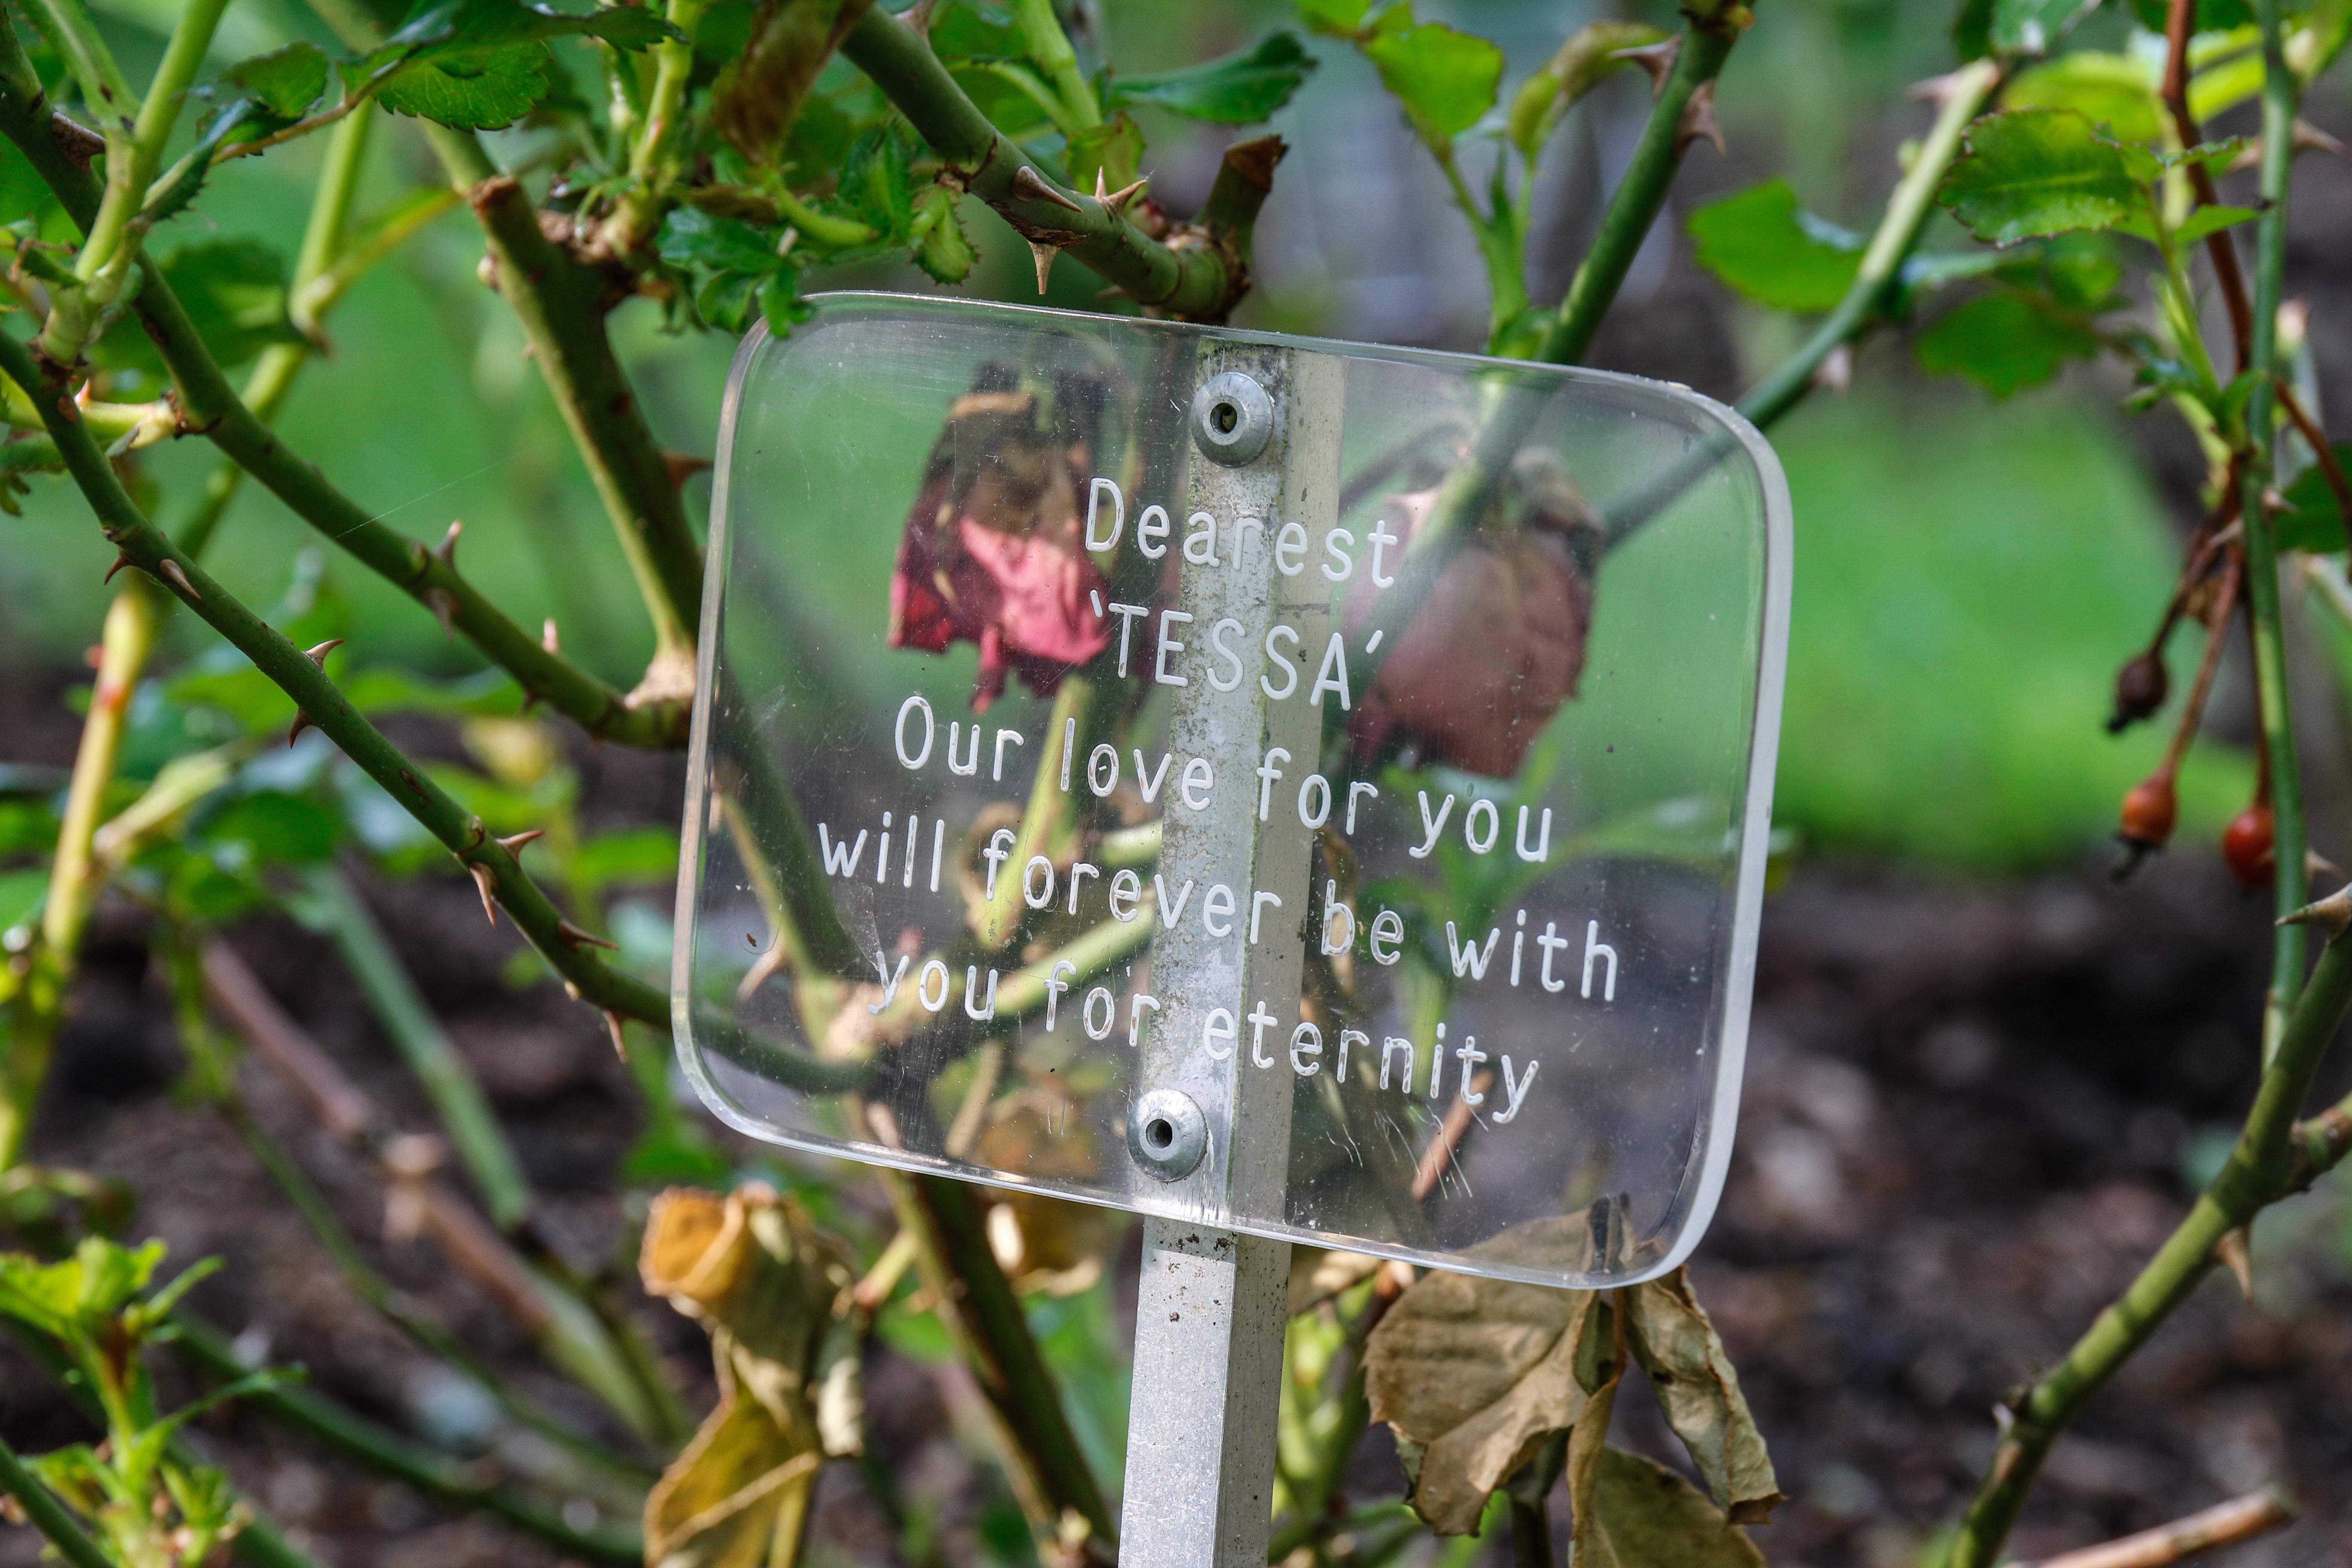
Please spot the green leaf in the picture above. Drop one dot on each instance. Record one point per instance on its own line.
(726, 300)
(277, 828)
(22, 894)
(2313, 519)
(285, 81)
(1592, 52)
(1113, 149)
(966, 31)
(472, 90)
(2033, 172)
(235, 294)
(26, 827)
(1334, 18)
(394, 688)
(942, 247)
(2212, 16)
(690, 236)
(760, 93)
(479, 65)
(2206, 221)
(872, 184)
(467, 24)
(1972, 29)
(627, 854)
(1644, 1515)
(2035, 26)
(2115, 92)
(2004, 341)
(1762, 243)
(781, 305)
(23, 193)
(1239, 90)
(1444, 79)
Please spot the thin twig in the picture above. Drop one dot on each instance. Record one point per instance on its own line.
(1201, 279)
(2179, 22)
(1633, 206)
(2271, 1158)
(1863, 304)
(2281, 89)
(2224, 1524)
(1450, 1133)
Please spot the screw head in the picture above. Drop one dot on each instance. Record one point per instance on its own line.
(1232, 418)
(1167, 1133)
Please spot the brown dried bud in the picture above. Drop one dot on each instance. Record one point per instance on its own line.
(2141, 685)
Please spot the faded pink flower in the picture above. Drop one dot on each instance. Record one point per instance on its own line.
(992, 552)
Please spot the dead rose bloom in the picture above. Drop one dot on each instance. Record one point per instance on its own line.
(1498, 645)
(992, 554)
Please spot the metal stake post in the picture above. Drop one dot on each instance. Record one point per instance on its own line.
(1211, 1311)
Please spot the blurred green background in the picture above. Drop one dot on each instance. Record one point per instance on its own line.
(1968, 575)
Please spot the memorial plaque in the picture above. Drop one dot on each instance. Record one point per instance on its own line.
(1300, 787)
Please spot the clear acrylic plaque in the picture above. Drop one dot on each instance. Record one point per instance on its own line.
(1314, 789)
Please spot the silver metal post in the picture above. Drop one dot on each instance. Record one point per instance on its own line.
(1211, 1309)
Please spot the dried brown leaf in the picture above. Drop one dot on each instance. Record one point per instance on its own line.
(1478, 1373)
(1588, 1442)
(775, 1297)
(1699, 1393)
(1639, 1514)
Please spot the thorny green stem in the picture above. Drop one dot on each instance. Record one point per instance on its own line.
(133, 623)
(1865, 300)
(1633, 207)
(1042, 35)
(1001, 1350)
(134, 150)
(73, 33)
(211, 406)
(2273, 1157)
(593, 981)
(2281, 89)
(1197, 282)
(430, 1472)
(49, 1516)
(561, 303)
